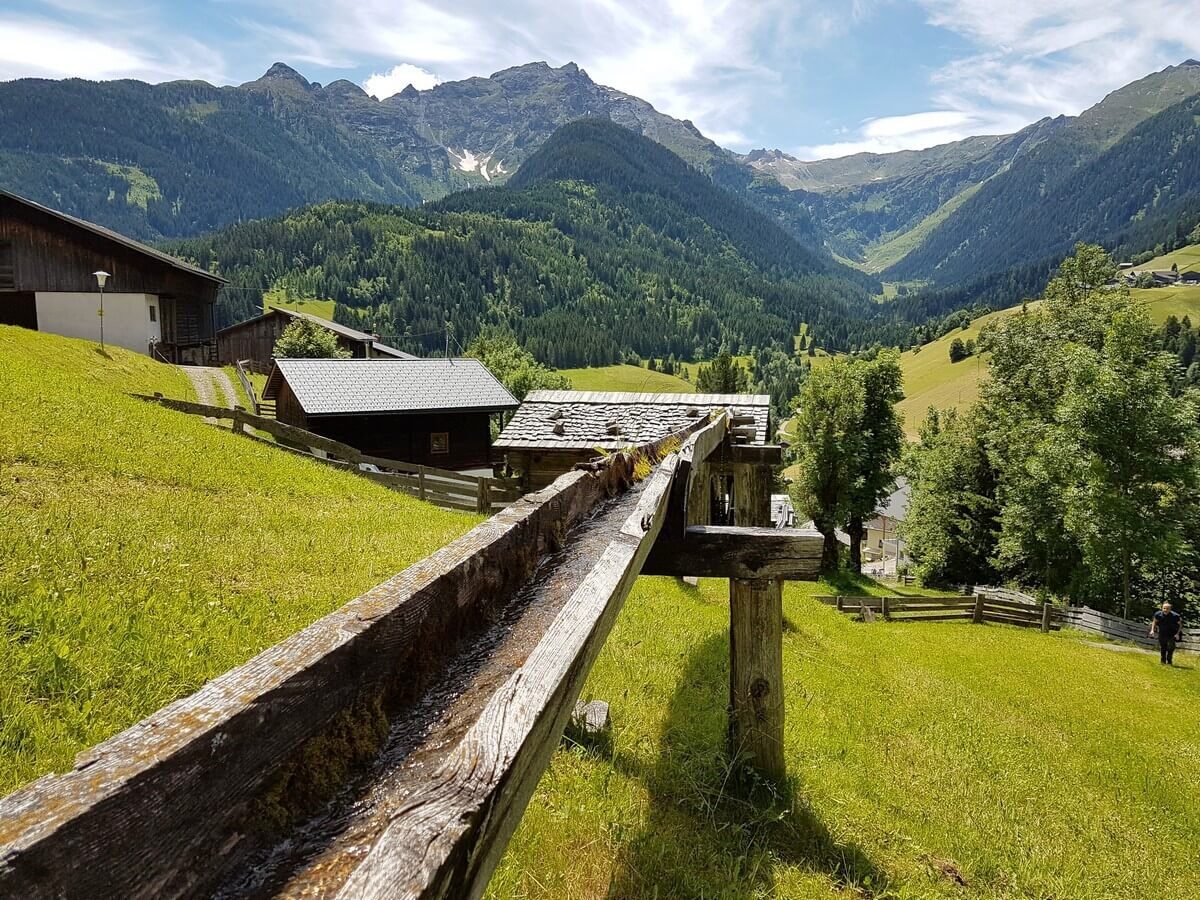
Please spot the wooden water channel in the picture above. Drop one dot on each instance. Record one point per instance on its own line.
(389, 749)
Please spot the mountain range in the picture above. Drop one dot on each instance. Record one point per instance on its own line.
(184, 158)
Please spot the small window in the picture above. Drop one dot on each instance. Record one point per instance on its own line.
(439, 442)
(153, 313)
(8, 271)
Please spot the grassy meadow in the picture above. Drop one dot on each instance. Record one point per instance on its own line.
(143, 552)
(624, 377)
(279, 300)
(930, 379)
(925, 760)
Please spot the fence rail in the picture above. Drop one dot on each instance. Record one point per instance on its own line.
(977, 609)
(1084, 618)
(441, 487)
(989, 608)
(257, 406)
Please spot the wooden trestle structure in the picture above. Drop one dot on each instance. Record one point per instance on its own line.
(389, 749)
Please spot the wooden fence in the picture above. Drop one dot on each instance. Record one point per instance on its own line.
(441, 487)
(257, 406)
(978, 609)
(1093, 621)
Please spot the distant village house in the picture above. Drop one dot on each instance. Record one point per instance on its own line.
(153, 303)
(254, 339)
(434, 412)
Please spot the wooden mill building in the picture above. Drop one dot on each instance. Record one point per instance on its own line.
(554, 430)
(433, 412)
(254, 339)
(153, 303)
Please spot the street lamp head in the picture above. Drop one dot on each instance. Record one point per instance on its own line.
(101, 277)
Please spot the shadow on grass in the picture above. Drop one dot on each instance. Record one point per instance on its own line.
(711, 831)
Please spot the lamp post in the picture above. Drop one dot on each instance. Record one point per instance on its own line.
(101, 277)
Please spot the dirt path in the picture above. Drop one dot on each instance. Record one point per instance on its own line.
(212, 385)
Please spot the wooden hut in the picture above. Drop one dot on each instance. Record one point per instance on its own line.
(434, 412)
(153, 303)
(554, 430)
(254, 339)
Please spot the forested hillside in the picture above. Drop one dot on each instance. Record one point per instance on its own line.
(182, 158)
(1142, 190)
(605, 244)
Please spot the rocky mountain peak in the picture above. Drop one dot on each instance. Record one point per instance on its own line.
(409, 93)
(283, 72)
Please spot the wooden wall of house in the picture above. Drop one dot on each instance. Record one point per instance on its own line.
(538, 468)
(288, 409)
(255, 340)
(407, 438)
(52, 255)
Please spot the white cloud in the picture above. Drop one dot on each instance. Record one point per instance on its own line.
(382, 85)
(716, 62)
(35, 47)
(1032, 59)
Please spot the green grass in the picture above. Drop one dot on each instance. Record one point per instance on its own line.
(322, 308)
(626, 378)
(1033, 765)
(143, 552)
(930, 379)
(1187, 258)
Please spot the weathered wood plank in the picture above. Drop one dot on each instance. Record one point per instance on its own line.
(161, 809)
(451, 834)
(723, 551)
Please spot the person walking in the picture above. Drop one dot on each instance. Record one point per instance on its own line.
(1168, 628)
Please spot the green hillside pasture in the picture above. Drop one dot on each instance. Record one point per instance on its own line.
(626, 378)
(919, 754)
(1187, 258)
(143, 552)
(930, 379)
(321, 308)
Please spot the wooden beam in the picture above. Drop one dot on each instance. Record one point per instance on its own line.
(451, 833)
(754, 454)
(756, 640)
(728, 551)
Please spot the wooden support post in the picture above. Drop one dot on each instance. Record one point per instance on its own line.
(756, 641)
(699, 498)
(977, 615)
(482, 501)
(838, 601)
(421, 483)
(1046, 607)
(885, 607)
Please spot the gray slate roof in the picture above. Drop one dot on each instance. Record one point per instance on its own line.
(364, 386)
(586, 418)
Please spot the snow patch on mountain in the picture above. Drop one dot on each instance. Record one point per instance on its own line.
(467, 161)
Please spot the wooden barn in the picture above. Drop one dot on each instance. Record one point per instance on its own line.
(433, 412)
(554, 430)
(254, 339)
(153, 303)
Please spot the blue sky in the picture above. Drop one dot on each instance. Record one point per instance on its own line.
(815, 78)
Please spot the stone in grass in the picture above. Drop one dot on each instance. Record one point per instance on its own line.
(590, 728)
(591, 718)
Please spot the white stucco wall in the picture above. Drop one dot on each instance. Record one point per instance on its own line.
(126, 317)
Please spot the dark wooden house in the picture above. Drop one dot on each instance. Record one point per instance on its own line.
(435, 412)
(153, 303)
(254, 339)
(554, 430)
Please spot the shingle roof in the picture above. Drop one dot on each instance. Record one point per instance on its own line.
(109, 234)
(580, 420)
(363, 386)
